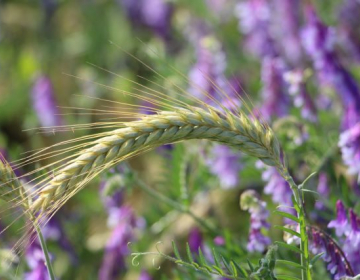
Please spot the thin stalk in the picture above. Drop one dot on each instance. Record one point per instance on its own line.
(304, 242)
(177, 206)
(46, 252)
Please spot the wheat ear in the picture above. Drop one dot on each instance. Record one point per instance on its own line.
(237, 131)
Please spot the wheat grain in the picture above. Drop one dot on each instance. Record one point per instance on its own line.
(237, 131)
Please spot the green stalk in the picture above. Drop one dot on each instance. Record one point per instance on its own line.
(304, 242)
(45, 251)
(177, 206)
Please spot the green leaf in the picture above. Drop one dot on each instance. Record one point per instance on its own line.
(315, 258)
(290, 263)
(241, 271)
(225, 263)
(289, 247)
(176, 251)
(216, 258)
(188, 252)
(288, 230)
(203, 261)
(310, 191)
(307, 179)
(218, 269)
(233, 269)
(287, 277)
(287, 215)
(252, 269)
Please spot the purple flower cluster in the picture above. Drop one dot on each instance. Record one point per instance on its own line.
(322, 243)
(318, 41)
(123, 222)
(36, 261)
(225, 164)
(154, 14)
(347, 228)
(276, 186)
(251, 202)
(44, 103)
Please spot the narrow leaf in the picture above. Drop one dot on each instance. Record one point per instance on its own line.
(216, 258)
(233, 269)
(241, 271)
(176, 251)
(315, 258)
(289, 247)
(218, 269)
(252, 269)
(290, 263)
(288, 230)
(202, 258)
(188, 252)
(287, 215)
(287, 277)
(226, 264)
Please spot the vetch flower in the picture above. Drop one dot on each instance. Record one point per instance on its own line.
(341, 223)
(225, 164)
(36, 261)
(44, 102)
(251, 202)
(350, 148)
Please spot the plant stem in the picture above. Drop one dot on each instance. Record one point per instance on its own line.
(174, 205)
(304, 242)
(45, 251)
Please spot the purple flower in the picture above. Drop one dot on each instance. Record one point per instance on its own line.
(155, 14)
(225, 164)
(277, 187)
(123, 222)
(350, 148)
(341, 222)
(286, 30)
(349, 22)
(320, 243)
(323, 190)
(195, 239)
(318, 41)
(275, 99)
(251, 202)
(36, 261)
(254, 22)
(302, 99)
(44, 102)
(206, 78)
(145, 276)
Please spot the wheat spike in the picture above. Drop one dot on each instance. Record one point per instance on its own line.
(237, 131)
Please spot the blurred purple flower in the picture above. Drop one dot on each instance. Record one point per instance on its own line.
(254, 22)
(275, 98)
(145, 276)
(286, 30)
(195, 239)
(341, 223)
(36, 261)
(44, 102)
(320, 243)
(123, 221)
(155, 14)
(225, 164)
(349, 22)
(277, 187)
(318, 41)
(302, 99)
(219, 240)
(251, 202)
(350, 148)
(323, 190)
(348, 229)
